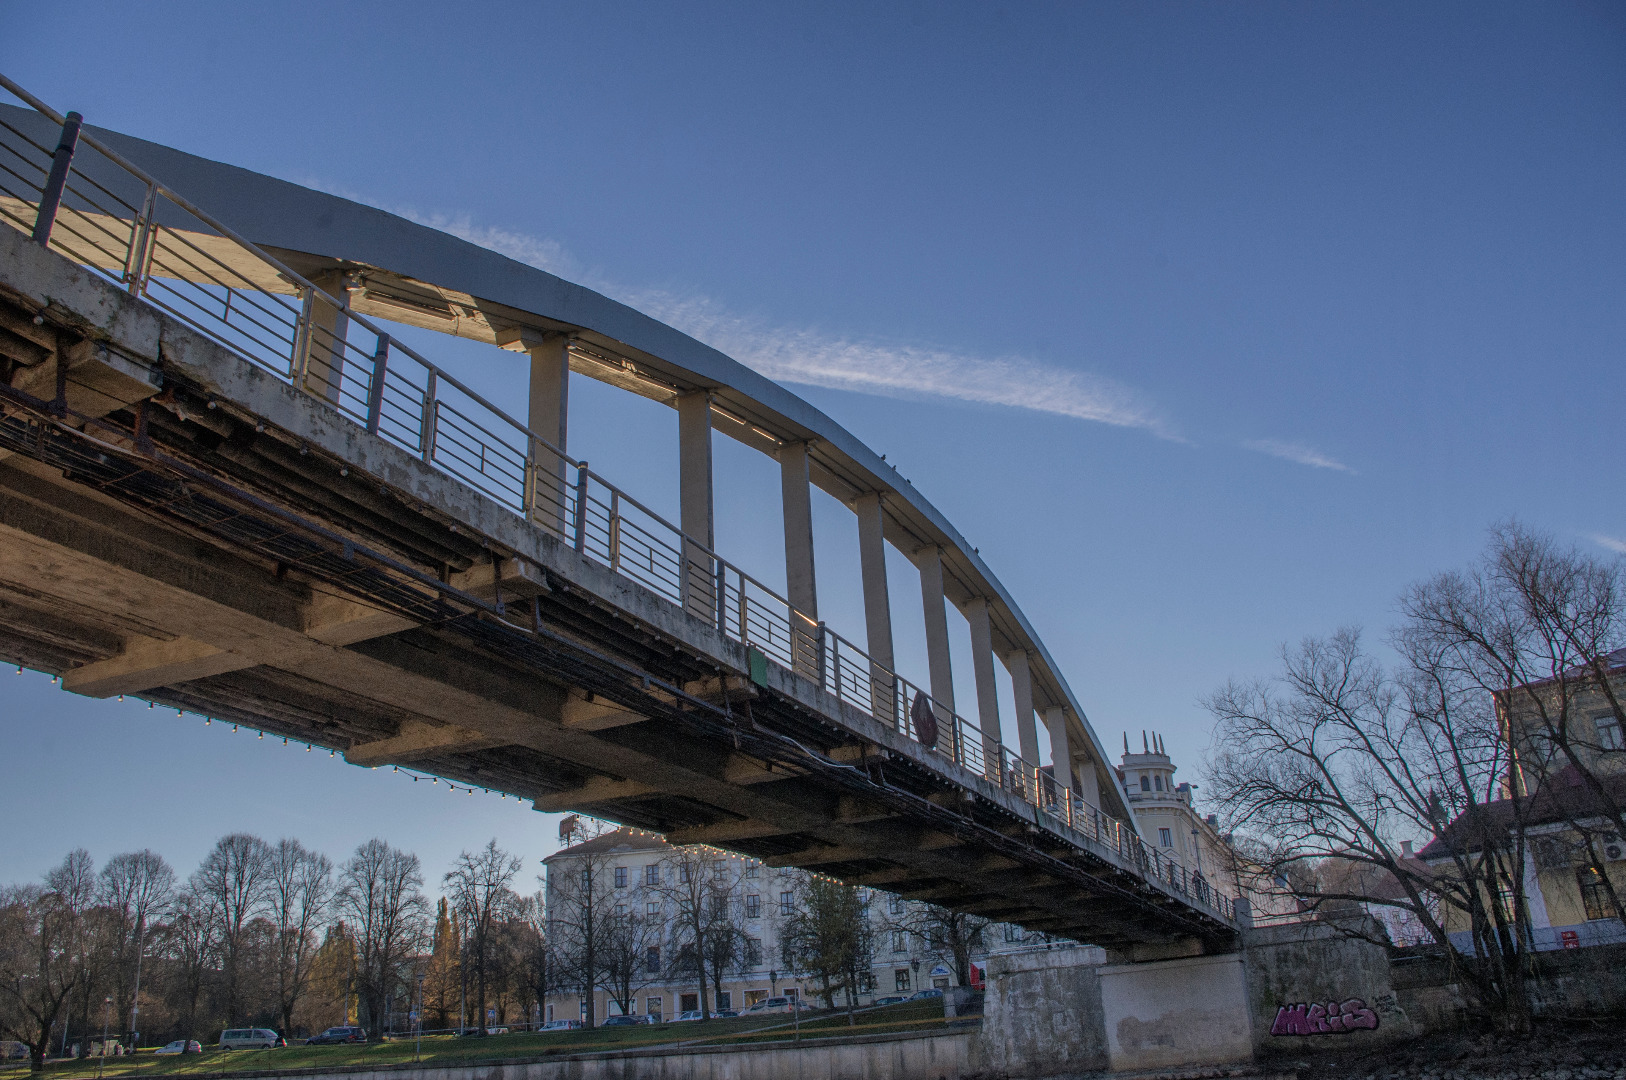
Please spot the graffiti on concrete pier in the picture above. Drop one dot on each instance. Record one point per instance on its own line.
(1333, 1018)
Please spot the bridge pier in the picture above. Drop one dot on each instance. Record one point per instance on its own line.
(695, 496)
(877, 606)
(801, 585)
(548, 416)
(982, 667)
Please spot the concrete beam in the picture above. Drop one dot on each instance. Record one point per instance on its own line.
(982, 666)
(724, 832)
(930, 561)
(145, 663)
(585, 714)
(1061, 747)
(548, 417)
(416, 740)
(877, 606)
(600, 789)
(1022, 691)
(696, 501)
(821, 855)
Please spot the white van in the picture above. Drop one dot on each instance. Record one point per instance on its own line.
(249, 1039)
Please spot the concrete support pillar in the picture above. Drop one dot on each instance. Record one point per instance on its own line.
(330, 326)
(801, 587)
(696, 502)
(930, 561)
(548, 417)
(877, 609)
(1027, 733)
(982, 666)
(1089, 783)
(1061, 747)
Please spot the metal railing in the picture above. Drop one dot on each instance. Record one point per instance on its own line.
(119, 221)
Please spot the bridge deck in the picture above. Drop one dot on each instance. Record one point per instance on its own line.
(232, 546)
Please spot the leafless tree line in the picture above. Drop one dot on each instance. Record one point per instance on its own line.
(1329, 769)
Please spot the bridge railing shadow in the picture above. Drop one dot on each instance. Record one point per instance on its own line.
(115, 219)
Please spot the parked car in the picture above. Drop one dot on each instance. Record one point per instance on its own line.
(180, 1046)
(891, 999)
(925, 995)
(561, 1025)
(338, 1035)
(689, 1014)
(11, 1050)
(496, 1031)
(624, 1021)
(250, 1039)
(772, 1005)
(724, 1014)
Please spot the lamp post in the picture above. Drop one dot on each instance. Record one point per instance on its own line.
(417, 1021)
(107, 1013)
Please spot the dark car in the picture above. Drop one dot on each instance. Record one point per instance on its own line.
(338, 1035)
(925, 995)
(624, 1021)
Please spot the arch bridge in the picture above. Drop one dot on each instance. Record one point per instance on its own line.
(227, 486)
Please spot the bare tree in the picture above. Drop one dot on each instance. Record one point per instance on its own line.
(381, 889)
(624, 966)
(706, 938)
(581, 907)
(299, 889)
(949, 935)
(137, 888)
(236, 876)
(478, 886)
(1535, 626)
(40, 967)
(1338, 759)
(190, 940)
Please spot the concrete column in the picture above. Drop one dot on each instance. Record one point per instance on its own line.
(330, 326)
(877, 608)
(695, 497)
(1027, 733)
(1061, 747)
(982, 666)
(930, 561)
(1089, 784)
(548, 417)
(801, 587)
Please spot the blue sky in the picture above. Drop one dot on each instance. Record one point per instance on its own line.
(1212, 326)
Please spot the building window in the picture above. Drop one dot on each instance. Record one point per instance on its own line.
(900, 980)
(550, 1013)
(725, 999)
(751, 871)
(689, 1002)
(894, 905)
(1157, 782)
(621, 911)
(900, 941)
(1593, 897)
(787, 903)
(1165, 837)
(1013, 932)
(652, 876)
(652, 960)
(719, 867)
(652, 909)
(652, 1007)
(683, 873)
(753, 952)
(1145, 782)
(1609, 734)
(621, 877)
(753, 906)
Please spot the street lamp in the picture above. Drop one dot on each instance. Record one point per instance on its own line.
(107, 1012)
(417, 1018)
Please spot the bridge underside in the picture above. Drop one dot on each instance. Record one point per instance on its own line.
(193, 532)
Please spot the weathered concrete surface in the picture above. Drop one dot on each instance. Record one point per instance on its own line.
(1042, 1014)
(1191, 1011)
(1310, 963)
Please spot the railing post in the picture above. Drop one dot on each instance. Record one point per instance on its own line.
(720, 588)
(57, 181)
(426, 440)
(820, 659)
(302, 342)
(581, 507)
(615, 530)
(375, 393)
(135, 263)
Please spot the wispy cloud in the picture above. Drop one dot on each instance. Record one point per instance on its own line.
(812, 357)
(1609, 542)
(1297, 453)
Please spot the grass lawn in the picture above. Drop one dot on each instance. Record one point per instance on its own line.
(447, 1050)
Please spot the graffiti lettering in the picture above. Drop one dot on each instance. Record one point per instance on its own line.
(1314, 1018)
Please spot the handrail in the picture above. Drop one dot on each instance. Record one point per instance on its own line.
(690, 573)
